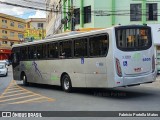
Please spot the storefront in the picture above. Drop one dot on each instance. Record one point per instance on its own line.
(5, 53)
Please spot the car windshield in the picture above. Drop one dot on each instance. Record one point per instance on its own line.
(1, 66)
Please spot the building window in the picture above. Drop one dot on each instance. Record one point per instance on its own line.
(20, 25)
(4, 31)
(4, 21)
(77, 15)
(12, 34)
(40, 25)
(87, 14)
(12, 23)
(151, 11)
(135, 12)
(4, 42)
(20, 36)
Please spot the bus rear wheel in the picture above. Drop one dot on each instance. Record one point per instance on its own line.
(66, 83)
(24, 78)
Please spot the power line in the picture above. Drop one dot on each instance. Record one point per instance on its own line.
(17, 5)
(100, 12)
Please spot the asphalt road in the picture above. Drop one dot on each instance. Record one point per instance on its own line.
(16, 97)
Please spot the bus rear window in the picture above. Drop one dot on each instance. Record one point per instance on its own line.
(130, 39)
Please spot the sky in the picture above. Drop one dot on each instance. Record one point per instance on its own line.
(24, 12)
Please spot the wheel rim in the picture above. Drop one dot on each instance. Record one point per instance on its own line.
(66, 84)
(24, 78)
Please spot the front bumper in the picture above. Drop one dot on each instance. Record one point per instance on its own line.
(3, 73)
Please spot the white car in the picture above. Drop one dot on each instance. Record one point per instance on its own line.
(3, 70)
(3, 62)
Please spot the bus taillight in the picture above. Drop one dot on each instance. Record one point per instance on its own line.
(153, 63)
(118, 66)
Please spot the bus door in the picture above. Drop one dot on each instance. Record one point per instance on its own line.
(16, 63)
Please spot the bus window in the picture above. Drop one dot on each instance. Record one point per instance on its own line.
(24, 54)
(45, 48)
(32, 52)
(53, 50)
(65, 49)
(80, 47)
(133, 39)
(99, 45)
(39, 52)
(16, 55)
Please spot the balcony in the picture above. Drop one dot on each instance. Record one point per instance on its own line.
(4, 37)
(4, 26)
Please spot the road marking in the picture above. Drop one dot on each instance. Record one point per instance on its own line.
(26, 101)
(14, 94)
(16, 98)
(13, 88)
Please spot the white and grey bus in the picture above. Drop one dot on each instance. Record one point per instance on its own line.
(114, 57)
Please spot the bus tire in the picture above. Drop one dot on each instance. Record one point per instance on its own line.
(66, 83)
(24, 78)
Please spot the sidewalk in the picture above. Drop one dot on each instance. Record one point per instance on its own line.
(155, 84)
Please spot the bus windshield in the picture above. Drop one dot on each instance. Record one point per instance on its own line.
(132, 39)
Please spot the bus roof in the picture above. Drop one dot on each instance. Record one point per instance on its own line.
(72, 34)
(59, 37)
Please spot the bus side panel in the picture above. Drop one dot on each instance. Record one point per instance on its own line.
(75, 69)
(26, 67)
(16, 72)
(36, 71)
(96, 74)
(16, 64)
(54, 70)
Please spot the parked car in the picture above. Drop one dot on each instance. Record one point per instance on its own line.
(3, 62)
(6, 62)
(3, 70)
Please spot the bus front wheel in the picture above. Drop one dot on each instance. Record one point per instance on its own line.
(66, 83)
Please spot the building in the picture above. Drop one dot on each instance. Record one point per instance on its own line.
(11, 32)
(92, 14)
(35, 29)
(53, 17)
(95, 14)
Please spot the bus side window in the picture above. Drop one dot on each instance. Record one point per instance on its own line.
(65, 49)
(99, 45)
(32, 52)
(24, 54)
(80, 47)
(53, 50)
(39, 52)
(45, 48)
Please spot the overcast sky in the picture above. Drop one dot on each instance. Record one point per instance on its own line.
(23, 12)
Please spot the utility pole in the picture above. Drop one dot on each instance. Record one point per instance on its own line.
(72, 17)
